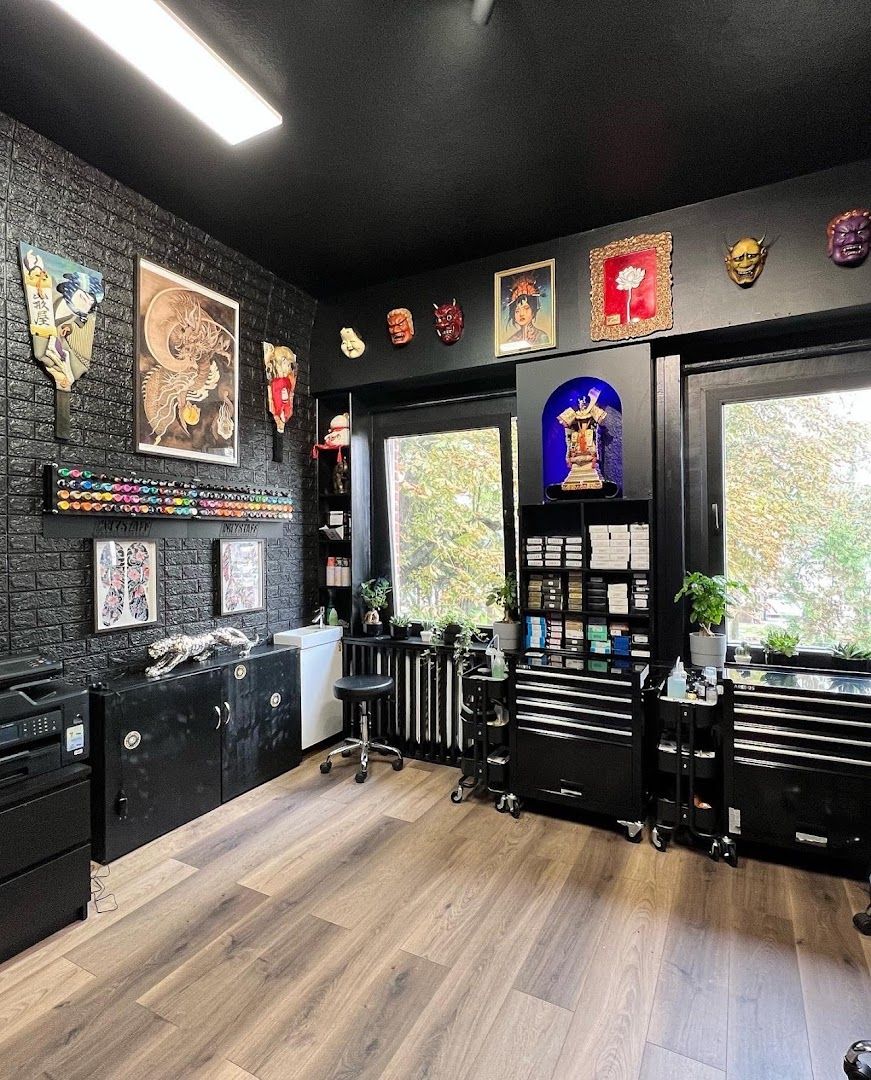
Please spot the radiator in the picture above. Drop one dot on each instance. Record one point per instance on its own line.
(422, 718)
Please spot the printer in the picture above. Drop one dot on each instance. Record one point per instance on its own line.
(43, 720)
(45, 800)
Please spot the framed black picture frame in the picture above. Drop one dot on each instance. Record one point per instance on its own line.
(241, 576)
(127, 585)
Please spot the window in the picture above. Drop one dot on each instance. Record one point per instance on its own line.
(797, 507)
(779, 494)
(448, 490)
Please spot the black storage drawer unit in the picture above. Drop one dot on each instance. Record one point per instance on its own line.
(38, 828)
(578, 730)
(45, 856)
(801, 761)
(170, 749)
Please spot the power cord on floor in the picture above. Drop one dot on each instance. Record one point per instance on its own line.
(103, 899)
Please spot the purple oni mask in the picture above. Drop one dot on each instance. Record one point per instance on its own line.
(849, 237)
(449, 322)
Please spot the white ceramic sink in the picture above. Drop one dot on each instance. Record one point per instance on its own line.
(306, 637)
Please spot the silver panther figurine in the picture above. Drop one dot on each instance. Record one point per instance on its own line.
(171, 651)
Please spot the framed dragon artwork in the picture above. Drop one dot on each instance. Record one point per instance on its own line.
(187, 368)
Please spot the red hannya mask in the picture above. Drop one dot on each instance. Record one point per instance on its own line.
(449, 322)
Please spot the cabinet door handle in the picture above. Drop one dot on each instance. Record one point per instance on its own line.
(227, 717)
(218, 711)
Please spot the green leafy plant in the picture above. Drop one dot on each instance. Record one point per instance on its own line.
(851, 650)
(780, 641)
(400, 620)
(467, 631)
(505, 595)
(709, 599)
(375, 592)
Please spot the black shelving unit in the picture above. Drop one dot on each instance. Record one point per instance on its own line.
(338, 596)
(485, 761)
(562, 583)
(689, 794)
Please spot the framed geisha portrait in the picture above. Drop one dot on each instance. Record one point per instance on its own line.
(186, 368)
(242, 576)
(631, 287)
(525, 308)
(125, 584)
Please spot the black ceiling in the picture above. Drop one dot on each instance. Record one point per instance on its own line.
(413, 138)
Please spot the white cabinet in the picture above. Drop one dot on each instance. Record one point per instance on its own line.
(320, 664)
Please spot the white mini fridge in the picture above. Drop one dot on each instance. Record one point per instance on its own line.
(320, 664)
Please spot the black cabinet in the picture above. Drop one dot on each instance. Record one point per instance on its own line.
(578, 735)
(800, 761)
(171, 749)
(261, 731)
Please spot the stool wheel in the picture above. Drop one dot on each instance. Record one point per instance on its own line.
(360, 777)
(346, 753)
(397, 765)
(326, 766)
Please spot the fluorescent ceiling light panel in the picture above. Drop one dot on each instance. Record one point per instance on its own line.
(157, 43)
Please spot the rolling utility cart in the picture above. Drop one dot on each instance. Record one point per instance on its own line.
(485, 761)
(689, 786)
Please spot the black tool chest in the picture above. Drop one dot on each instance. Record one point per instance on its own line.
(578, 735)
(800, 769)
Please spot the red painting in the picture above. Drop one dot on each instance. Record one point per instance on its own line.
(631, 287)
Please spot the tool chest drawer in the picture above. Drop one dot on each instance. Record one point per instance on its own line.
(591, 773)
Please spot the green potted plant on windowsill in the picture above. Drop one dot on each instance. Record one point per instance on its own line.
(709, 601)
(399, 625)
(779, 645)
(507, 629)
(851, 656)
(374, 592)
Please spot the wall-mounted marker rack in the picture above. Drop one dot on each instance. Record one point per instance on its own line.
(79, 502)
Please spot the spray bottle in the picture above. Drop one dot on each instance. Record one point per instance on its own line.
(497, 658)
(676, 687)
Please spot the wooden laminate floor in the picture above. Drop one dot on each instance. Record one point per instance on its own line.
(315, 928)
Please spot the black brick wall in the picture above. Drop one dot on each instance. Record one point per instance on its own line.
(50, 198)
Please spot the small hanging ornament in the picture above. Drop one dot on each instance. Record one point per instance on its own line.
(281, 372)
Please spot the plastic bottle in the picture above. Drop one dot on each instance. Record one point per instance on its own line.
(676, 687)
(497, 659)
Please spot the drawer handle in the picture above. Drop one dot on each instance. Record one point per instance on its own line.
(786, 733)
(569, 725)
(771, 700)
(575, 791)
(538, 703)
(761, 713)
(545, 675)
(759, 747)
(227, 717)
(218, 711)
(590, 695)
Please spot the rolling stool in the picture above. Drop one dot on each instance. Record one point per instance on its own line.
(362, 690)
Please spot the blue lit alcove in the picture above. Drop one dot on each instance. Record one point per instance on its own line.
(553, 434)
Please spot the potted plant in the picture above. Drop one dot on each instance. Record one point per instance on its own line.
(852, 656)
(426, 631)
(374, 592)
(399, 625)
(709, 601)
(507, 629)
(779, 643)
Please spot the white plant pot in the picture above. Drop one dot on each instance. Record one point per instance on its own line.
(508, 634)
(426, 636)
(708, 650)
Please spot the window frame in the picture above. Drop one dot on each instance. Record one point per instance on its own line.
(706, 394)
(495, 411)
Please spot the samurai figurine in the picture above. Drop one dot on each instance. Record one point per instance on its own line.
(582, 426)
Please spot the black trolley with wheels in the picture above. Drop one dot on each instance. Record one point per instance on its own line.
(485, 750)
(689, 793)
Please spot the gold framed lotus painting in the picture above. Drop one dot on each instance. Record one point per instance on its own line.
(186, 368)
(630, 289)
